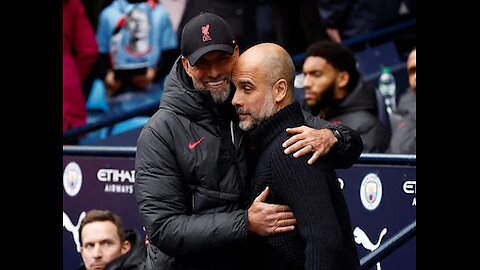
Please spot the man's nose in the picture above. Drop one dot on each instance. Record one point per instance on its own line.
(97, 251)
(213, 71)
(307, 82)
(236, 99)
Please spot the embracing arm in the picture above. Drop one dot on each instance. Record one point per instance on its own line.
(164, 203)
(345, 146)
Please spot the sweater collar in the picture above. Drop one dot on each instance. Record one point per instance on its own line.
(265, 132)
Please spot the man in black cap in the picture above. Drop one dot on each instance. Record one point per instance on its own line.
(191, 180)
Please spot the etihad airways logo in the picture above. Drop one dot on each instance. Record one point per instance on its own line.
(117, 181)
(113, 175)
(410, 187)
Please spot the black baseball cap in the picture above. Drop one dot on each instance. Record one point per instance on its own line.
(205, 33)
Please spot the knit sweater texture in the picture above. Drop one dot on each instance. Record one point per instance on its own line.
(323, 237)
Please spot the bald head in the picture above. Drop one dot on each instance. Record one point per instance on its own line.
(274, 60)
(271, 61)
(263, 76)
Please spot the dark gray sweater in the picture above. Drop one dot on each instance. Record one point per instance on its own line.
(323, 236)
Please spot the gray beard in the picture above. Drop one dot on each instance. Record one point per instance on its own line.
(219, 97)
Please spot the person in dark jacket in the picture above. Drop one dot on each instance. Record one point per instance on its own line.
(404, 130)
(192, 182)
(105, 244)
(335, 91)
(346, 19)
(264, 100)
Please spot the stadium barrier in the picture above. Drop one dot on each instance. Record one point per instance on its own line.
(380, 191)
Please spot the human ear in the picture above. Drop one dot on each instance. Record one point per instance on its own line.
(342, 79)
(280, 89)
(126, 247)
(186, 66)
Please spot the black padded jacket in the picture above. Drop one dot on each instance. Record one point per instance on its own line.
(191, 180)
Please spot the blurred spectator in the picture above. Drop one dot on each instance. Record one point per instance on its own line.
(137, 49)
(237, 13)
(93, 9)
(335, 91)
(412, 70)
(297, 24)
(404, 130)
(105, 244)
(347, 18)
(175, 9)
(80, 52)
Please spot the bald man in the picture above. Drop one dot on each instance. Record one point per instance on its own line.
(264, 101)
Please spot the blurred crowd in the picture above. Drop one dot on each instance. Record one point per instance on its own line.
(129, 46)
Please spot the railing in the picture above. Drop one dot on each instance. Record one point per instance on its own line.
(109, 120)
(365, 158)
(121, 159)
(389, 246)
(299, 58)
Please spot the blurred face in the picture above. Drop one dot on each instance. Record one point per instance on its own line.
(212, 72)
(253, 97)
(412, 70)
(320, 80)
(101, 244)
(138, 24)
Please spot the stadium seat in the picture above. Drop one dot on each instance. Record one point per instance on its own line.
(97, 100)
(97, 107)
(129, 124)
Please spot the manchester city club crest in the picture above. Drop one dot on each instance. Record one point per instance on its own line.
(371, 191)
(72, 179)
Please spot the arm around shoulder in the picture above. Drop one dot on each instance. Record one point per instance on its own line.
(349, 146)
(164, 200)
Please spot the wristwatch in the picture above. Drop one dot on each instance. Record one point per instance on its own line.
(337, 135)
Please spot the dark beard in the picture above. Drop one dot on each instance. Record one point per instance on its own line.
(325, 100)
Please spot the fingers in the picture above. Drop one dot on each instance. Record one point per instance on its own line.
(317, 154)
(263, 196)
(277, 230)
(284, 225)
(298, 131)
(280, 209)
(295, 130)
(284, 215)
(285, 218)
(287, 222)
(306, 149)
(314, 158)
(298, 143)
(293, 143)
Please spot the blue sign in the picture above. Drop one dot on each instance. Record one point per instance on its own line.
(381, 200)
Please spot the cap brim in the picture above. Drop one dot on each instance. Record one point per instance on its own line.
(193, 58)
